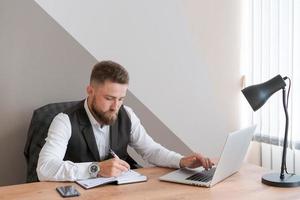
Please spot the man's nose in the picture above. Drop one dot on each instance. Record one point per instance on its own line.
(115, 105)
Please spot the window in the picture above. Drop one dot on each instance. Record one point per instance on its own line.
(271, 46)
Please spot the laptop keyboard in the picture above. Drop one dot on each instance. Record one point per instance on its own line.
(204, 176)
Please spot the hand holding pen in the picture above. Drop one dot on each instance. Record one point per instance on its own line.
(113, 167)
(113, 154)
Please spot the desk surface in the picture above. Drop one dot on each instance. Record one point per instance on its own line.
(246, 184)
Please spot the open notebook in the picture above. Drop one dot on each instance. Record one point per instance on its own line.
(126, 177)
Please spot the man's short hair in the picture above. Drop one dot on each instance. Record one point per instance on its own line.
(109, 71)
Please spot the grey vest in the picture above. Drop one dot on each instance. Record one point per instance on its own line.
(82, 145)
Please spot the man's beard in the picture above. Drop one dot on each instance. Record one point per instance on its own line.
(105, 118)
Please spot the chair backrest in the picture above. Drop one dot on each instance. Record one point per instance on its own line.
(37, 132)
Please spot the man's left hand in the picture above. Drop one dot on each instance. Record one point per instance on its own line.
(196, 160)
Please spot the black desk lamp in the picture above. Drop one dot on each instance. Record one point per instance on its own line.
(257, 95)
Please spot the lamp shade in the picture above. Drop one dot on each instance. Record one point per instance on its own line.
(258, 94)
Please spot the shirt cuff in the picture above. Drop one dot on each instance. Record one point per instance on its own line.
(83, 170)
(175, 162)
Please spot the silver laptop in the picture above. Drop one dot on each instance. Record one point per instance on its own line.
(231, 159)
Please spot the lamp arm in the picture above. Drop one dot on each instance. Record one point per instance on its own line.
(283, 161)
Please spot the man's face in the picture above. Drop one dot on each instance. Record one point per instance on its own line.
(105, 100)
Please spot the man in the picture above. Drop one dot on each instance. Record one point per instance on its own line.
(80, 139)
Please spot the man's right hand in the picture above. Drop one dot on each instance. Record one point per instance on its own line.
(113, 167)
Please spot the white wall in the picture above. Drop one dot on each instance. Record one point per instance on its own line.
(183, 58)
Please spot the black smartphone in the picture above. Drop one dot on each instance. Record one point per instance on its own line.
(67, 191)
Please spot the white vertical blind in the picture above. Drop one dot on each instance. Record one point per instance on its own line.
(271, 46)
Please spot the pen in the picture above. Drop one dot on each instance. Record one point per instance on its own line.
(113, 154)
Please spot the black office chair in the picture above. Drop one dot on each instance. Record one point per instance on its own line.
(37, 132)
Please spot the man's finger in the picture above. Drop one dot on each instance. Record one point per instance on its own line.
(211, 163)
(121, 165)
(206, 163)
(124, 163)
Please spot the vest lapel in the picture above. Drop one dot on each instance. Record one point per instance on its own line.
(88, 133)
(114, 135)
(91, 141)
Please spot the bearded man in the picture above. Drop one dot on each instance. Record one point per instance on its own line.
(81, 138)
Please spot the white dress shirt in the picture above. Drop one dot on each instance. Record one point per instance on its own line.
(51, 166)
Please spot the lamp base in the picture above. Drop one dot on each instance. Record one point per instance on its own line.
(273, 179)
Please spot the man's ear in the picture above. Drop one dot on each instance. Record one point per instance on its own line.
(90, 90)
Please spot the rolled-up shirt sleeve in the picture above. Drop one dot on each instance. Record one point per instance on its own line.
(151, 151)
(51, 166)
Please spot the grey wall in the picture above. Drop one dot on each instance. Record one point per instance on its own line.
(41, 63)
